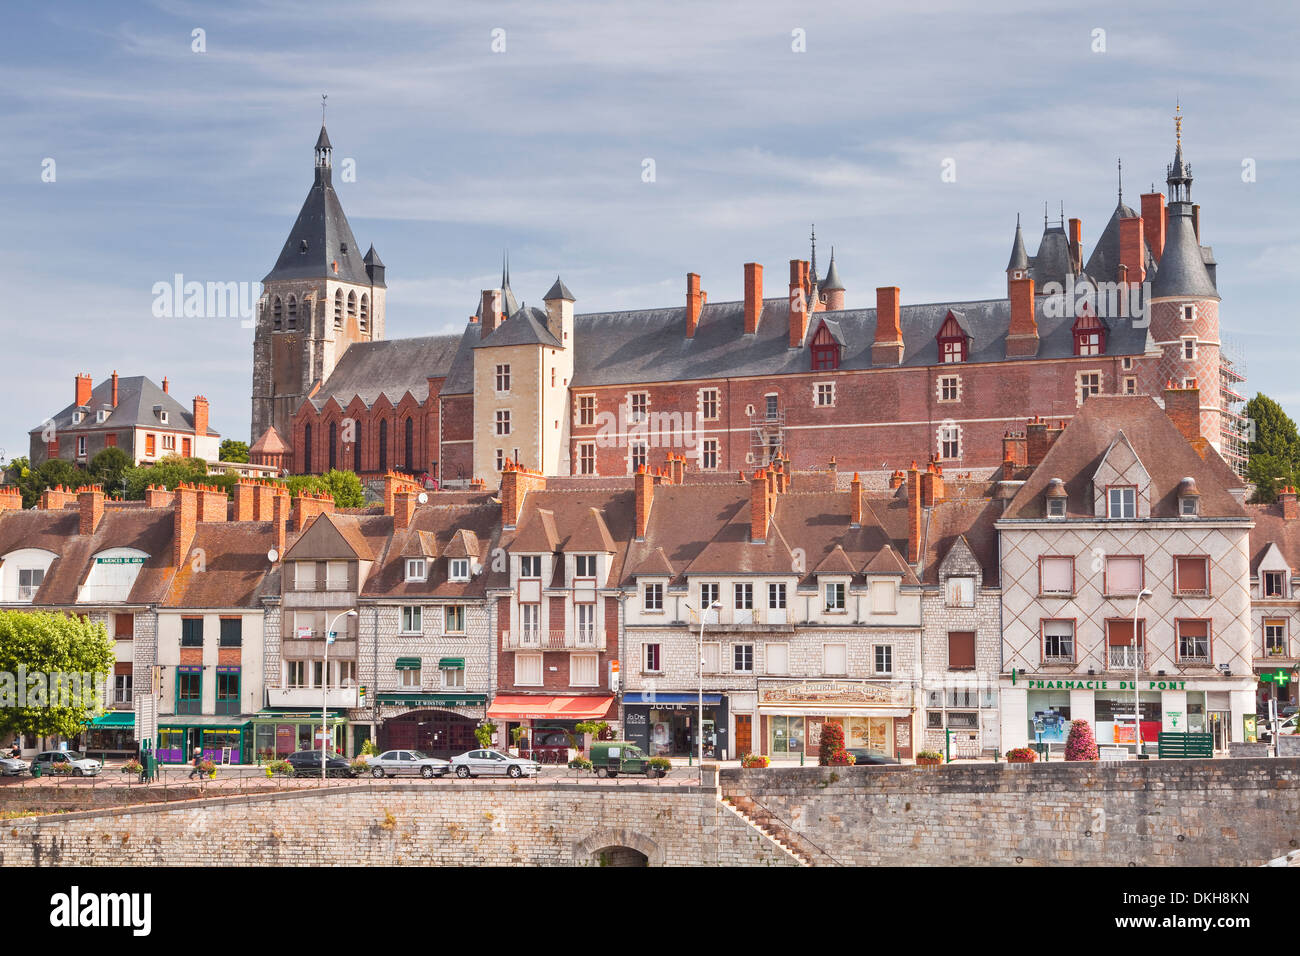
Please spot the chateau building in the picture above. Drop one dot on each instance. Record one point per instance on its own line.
(732, 384)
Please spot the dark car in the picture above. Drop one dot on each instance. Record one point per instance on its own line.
(866, 757)
(306, 763)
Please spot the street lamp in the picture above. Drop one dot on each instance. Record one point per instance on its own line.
(325, 690)
(699, 660)
(1137, 700)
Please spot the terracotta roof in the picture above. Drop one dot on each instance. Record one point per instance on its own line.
(269, 443)
(447, 529)
(837, 562)
(464, 543)
(951, 520)
(1272, 528)
(232, 568)
(591, 534)
(654, 564)
(568, 510)
(537, 533)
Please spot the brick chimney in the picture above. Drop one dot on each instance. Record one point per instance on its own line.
(84, 387)
(895, 480)
(11, 499)
(516, 482)
(887, 348)
(913, 515)
(280, 519)
(1022, 335)
(1014, 451)
(1183, 406)
(56, 498)
(490, 307)
(760, 503)
(695, 299)
(833, 470)
(115, 388)
(185, 517)
(264, 500)
(157, 496)
(308, 506)
(214, 504)
(855, 501)
(90, 500)
(798, 303)
(1036, 443)
(165, 384)
(931, 484)
(1290, 506)
(644, 486)
(393, 485)
(1076, 244)
(753, 296)
(1130, 249)
(200, 416)
(1153, 222)
(404, 508)
(676, 468)
(245, 497)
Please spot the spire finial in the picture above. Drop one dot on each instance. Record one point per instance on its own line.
(1119, 165)
(323, 98)
(813, 261)
(1178, 122)
(1044, 215)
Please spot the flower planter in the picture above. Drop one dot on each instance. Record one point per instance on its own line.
(929, 761)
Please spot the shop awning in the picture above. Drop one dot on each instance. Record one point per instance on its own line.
(646, 697)
(408, 664)
(543, 707)
(432, 700)
(203, 720)
(451, 663)
(272, 716)
(114, 718)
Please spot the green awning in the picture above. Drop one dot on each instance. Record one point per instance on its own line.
(452, 663)
(114, 718)
(433, 700)
(408, 664)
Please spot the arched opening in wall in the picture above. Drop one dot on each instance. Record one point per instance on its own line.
(438, 733)
(292, 312)
(619, 856)
(338, 309)
(409, 440)
(383, 446)
(352, 310)
(277, 314)
(306, 448)
(356, 445)
(334, 445)
(365, 312)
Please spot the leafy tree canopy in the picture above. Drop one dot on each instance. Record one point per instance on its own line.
(233, 450)
(46, 644)
(108, 467)
(1275, 451)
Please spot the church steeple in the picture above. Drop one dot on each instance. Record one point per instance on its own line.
(1179, 178)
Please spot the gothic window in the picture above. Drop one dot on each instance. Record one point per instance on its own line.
(292, 311)
(277, 313)
(383, 446)
(352, 309)
(334, 445)
(409, 439)
(356, 447)
(365, 313)
(306, 448)
(338, 309)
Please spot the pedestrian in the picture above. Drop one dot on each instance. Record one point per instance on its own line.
(198, 759)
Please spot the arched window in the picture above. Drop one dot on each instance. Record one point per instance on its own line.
(277, 313)
(306, 449)
(352, 309)
(338, 309)
(365, 312)
(334, 445)
(292, 312)
(410, 445)
(383, 446)
(356, 446)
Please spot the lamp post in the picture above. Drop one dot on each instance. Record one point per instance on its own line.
(699, 663)
(1137, 700)
(325, 690)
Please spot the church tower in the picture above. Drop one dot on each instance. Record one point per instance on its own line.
(1185, 302)
(323, 295)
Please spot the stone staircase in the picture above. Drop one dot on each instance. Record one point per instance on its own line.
(760, 819)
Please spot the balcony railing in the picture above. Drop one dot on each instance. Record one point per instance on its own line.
(583, 637)
(1123, 658)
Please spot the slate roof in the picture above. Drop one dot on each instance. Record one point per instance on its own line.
(1103, 264)
(1272, 528)
(1019, 260)
(832, 281)
(136, 398)
(443, 527)
(1182, 264)
(559, 291)
(1052, 262)
(525, 327)
(391, 367)
(1165, 454)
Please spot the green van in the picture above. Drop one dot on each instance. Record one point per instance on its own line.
(609, 758)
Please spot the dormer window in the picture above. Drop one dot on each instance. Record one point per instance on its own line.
(954, 343)
(584, 566)
(1056, 507)
(1089, 334)
(101, 416)
(1274, 584)
(77, 417)
(458, 569)
(530, 566)
(834, 592)
(1189, 506)
(1121, 502)
(825, 350)
(415, 569)
(162, 417)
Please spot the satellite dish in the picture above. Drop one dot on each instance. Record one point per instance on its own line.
(423, 498)
(273, 555)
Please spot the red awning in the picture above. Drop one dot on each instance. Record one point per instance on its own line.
(543, 707)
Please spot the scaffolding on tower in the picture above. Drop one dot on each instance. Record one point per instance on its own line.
(1233, 436)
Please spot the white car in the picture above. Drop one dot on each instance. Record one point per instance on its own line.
(483, 763)
(82, 766)
(12, 766)
(392, 762)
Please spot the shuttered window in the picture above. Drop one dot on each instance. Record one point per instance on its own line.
(1056, 575)
(1123, 575)
(961, 650)
(1192, 575)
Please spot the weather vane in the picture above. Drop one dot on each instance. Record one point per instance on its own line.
(323, 98)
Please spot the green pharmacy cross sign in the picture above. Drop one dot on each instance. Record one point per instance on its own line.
(1281, 678)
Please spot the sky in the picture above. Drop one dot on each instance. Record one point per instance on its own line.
(136, 149)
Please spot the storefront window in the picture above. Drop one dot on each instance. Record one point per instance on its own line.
(786, 735)
(1049, 716)
(1114, 716)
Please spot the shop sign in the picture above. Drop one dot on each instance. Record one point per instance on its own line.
(636, 718)
(1032, 683)
(832, 692)
(119, 560)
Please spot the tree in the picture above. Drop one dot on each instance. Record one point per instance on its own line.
(233, 450)
(1081, 744)
(168, 473)
(17, 471)
(108, 467)
(1275, 451)
(59, 659)
(343, 486)
(55, 471)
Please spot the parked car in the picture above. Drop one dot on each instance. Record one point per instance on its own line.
(392, 762)
(82, 766)
(1287, 726)
(306, 763)
(868, 757)
(12, 766)
(609, 758)
(482, 763)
